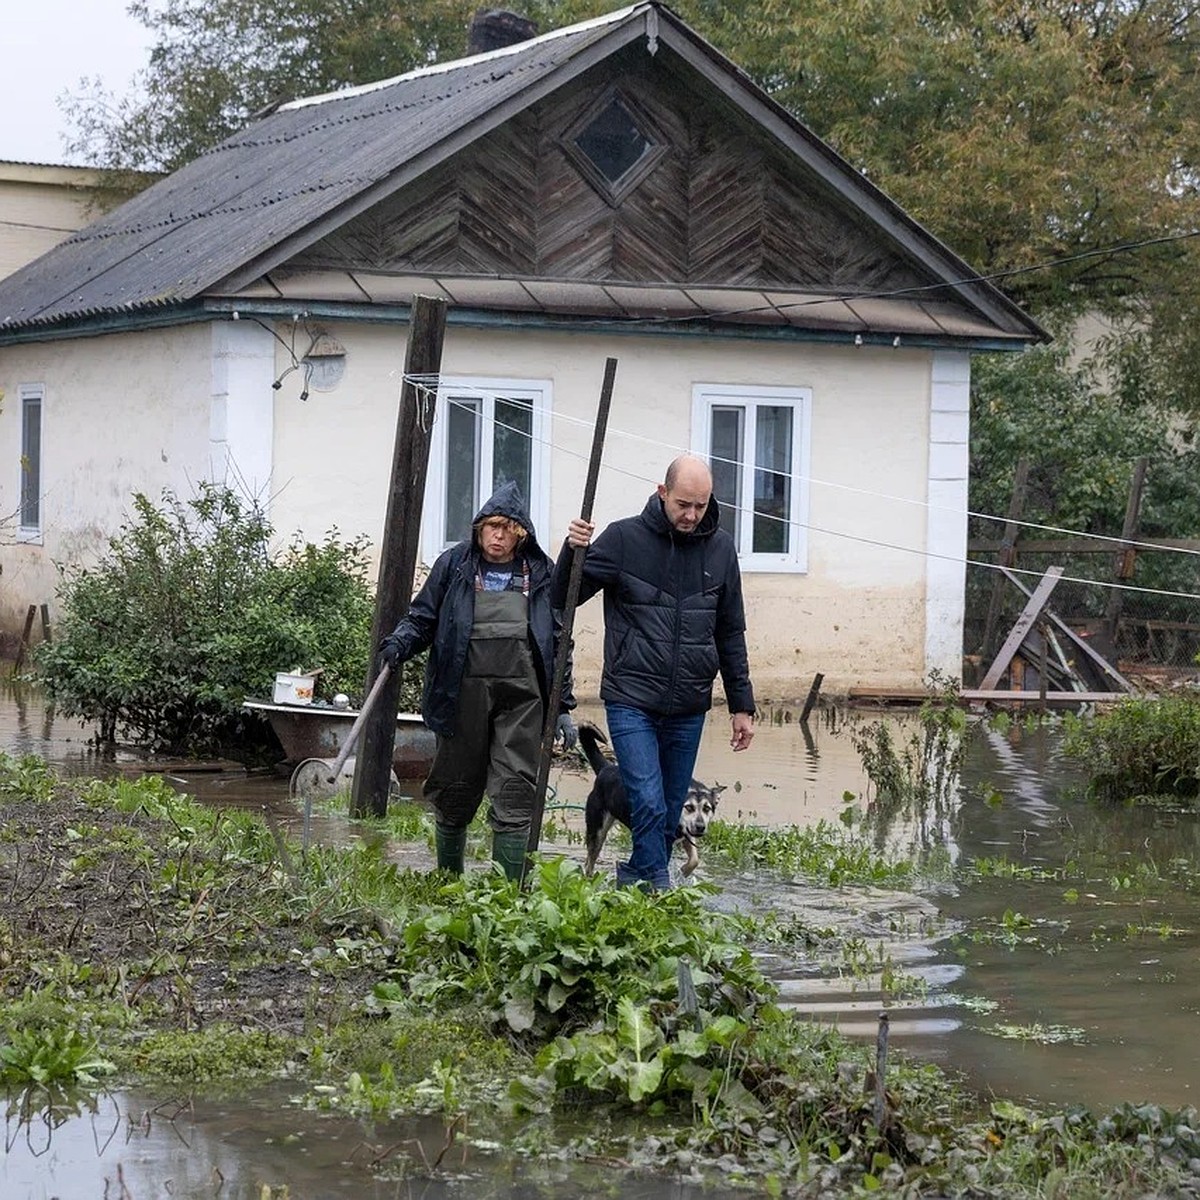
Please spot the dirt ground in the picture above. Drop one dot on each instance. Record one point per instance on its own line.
(98, 899)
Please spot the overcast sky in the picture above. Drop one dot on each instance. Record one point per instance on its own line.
(49, 45)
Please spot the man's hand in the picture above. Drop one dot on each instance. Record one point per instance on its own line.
(743, 730)
(579, 533)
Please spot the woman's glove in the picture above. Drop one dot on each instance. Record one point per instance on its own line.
(389, 653)
(566, 730)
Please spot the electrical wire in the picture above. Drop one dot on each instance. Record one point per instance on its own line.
(430, 384)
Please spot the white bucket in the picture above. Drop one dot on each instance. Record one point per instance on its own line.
(294, 689)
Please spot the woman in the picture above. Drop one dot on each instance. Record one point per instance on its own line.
(485, 614)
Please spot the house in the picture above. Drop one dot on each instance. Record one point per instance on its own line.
(42, 203)
(615, 188)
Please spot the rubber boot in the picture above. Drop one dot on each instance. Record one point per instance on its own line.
(451, 843)
(508, 849)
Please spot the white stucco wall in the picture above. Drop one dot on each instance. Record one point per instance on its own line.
(125, 413)
(162, 409)
(859, 614)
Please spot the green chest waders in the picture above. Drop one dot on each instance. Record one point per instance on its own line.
(497, 737)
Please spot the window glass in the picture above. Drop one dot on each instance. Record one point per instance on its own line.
(756, 441)
(726, 461)
(772, 479)
(31, 460)
(462, 465)
(613, 143)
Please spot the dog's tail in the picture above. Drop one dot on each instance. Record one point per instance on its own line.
(590, 738)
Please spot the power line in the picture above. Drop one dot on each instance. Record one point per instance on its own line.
(429, 384)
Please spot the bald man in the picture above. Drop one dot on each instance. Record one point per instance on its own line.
(673, 618)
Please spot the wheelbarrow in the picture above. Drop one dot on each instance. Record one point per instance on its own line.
(321, 778)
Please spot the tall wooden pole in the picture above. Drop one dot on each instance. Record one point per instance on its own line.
(401, 539)
(563, 653)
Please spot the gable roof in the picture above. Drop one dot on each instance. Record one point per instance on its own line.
(264, 195)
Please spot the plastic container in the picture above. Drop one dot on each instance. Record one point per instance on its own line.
(294, 688)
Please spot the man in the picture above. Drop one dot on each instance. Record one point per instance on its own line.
(673, 617)
(485, 614)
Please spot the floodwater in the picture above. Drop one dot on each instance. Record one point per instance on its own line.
(1080, 986)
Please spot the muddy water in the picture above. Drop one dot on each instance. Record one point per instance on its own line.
(1095, 977)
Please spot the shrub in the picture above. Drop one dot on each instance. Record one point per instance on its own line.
(188, 613)
(1141, 748)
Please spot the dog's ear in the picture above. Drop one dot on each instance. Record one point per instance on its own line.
(715, 791)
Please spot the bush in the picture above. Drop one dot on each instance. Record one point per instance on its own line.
(188, 613)
(1141, 748)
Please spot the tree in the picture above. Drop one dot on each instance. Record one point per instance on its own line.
(1021, 132)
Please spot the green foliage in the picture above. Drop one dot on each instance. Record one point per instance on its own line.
(564, 953)
(54, 1055)
(917, 780)
(1057, 417)
(1141, 748)
(824, 853)
(216, 1054)
(188, 613)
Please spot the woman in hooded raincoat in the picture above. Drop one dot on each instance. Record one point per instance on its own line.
(484, 613)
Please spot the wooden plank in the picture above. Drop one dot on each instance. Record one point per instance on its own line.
(1128, 556)
(1024, 623)
(1060, 624)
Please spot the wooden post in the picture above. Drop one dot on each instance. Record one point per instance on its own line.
(1127, 557)
(23, 645)
(813, 693)
(45, 622)
(563, 652)
(1006, 555)
(401, 539)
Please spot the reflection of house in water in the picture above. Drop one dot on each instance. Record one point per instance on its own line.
(615, 188)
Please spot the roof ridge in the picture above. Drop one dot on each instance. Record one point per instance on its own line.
(612, 18)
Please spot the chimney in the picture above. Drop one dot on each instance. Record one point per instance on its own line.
(494, 28)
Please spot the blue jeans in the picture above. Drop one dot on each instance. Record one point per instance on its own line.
(656, 756)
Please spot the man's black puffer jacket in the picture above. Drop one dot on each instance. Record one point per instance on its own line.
(673, 612)
(443, 611)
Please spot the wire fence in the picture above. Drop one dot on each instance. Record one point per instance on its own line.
(1145, 624)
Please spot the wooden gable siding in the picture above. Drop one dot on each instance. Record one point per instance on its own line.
(723, 206)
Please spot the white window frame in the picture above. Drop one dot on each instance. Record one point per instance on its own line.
(706, 397)
(28, 392)
(539, 394)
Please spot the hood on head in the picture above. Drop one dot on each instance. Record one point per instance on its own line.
(507, 501)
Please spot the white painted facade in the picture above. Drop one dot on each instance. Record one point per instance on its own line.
(876, 600)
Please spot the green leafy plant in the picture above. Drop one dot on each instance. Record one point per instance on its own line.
(54, 1055)
(1141, 748)
(188, 612)
(918, 778)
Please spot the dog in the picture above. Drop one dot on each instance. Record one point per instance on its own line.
(607, 802)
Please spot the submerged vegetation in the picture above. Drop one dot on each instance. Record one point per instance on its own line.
(146, 938)
(1145, 750)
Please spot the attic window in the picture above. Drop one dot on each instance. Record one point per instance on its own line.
(614, 146)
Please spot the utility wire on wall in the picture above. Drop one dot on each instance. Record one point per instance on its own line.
(430, 384)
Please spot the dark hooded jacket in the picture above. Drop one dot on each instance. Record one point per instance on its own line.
(673, 612)
(443, 611)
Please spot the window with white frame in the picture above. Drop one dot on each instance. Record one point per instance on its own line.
(30, 524)
(487, 432)
(756, 440)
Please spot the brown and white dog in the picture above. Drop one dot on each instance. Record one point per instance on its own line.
(607, 802)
